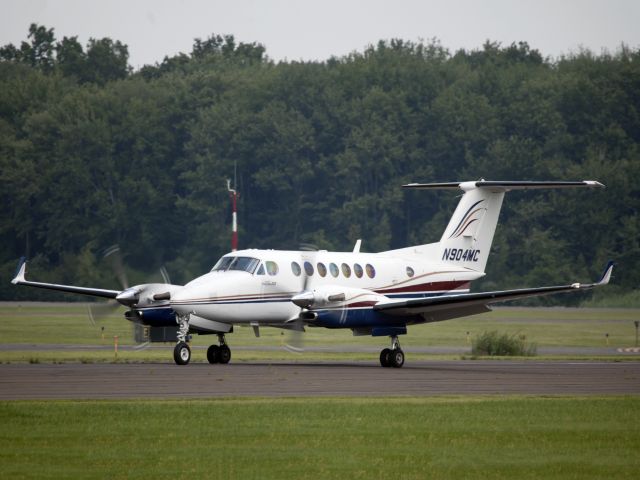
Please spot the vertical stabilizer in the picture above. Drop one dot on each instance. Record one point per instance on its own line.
(467, 239)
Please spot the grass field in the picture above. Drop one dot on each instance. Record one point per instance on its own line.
(408, 438)
(69, 324)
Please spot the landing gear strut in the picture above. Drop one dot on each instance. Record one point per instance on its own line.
(394, 356)
(182, 352)
(219, 353)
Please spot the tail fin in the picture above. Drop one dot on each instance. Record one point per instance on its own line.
(466, 241)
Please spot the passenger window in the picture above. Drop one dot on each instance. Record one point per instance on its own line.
(371, 272)
(357, 269)
(260, 270)
(346, 270)
(333, 268)
(410, 272)
(322, 270)
(295, 268)
(272, 268)
(308, 268)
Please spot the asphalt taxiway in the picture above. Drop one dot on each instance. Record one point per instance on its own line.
(199, 380)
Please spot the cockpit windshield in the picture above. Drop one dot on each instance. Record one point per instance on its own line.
(246, 264)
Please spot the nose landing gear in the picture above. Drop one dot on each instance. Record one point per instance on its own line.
(394, 356)
(182, 352)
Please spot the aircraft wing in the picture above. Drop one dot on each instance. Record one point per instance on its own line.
(20, 279)
(435, 309)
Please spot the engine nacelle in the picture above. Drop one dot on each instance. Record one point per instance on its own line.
(336, 297)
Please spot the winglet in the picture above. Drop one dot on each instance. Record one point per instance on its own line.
(20, 271)
(606, 275)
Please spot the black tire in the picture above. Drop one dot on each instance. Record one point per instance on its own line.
(385, 357)
(181, 353)
(213, 354)
(225, 354)
(396, 358)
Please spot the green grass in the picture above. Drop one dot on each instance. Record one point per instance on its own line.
(436, 438)
(613, 297)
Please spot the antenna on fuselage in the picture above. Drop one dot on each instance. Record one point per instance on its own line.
(233, 193)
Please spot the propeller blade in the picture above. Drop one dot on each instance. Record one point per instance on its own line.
(304, 299)
(97, 312)
(114, 256)
(295, 342)
(140, 337)
(165, 274)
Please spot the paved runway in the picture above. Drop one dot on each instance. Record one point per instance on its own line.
(111, 381)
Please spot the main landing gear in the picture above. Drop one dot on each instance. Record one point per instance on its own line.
(394, 356)
(219, 353)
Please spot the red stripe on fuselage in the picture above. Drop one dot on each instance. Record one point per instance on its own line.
(428, 287)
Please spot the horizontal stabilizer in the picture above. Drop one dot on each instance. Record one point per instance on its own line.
(503, 185)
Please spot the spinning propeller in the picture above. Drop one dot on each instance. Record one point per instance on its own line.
(295, 342)
(129, 296)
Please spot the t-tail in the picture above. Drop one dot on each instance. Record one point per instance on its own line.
(466, 241)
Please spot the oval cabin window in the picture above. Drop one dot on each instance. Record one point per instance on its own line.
(346, 270)
(308, 268)
(322, 270)
(295, 268)
(333, 268)
(371, 272)
(357, 269)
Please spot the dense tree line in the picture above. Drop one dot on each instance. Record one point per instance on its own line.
(94, 154)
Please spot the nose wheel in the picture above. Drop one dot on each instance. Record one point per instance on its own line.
(394, 356)
(181, 353)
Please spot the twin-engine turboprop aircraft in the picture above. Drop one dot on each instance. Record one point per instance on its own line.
(378, 294)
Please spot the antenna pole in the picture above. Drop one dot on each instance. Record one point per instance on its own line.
(234, 216)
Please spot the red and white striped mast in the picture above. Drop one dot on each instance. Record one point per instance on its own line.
(234, 216)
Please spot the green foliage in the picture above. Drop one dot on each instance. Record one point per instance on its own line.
(104, 60)
(495, 344)
(93, 154)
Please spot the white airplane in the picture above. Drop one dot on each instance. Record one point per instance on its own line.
(378, 294)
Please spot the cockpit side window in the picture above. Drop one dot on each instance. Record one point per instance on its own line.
(260, 270)
(246, 264)
(272, 268)
(222, 264)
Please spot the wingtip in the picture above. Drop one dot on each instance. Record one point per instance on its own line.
(20, 271)
(606, 275)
